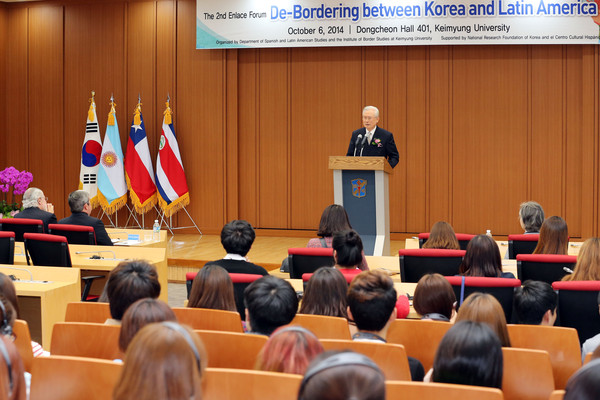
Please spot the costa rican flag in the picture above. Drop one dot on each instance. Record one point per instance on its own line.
(90, 155)
(138, 166)
(171, 184)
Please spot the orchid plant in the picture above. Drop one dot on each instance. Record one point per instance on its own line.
(12, 182)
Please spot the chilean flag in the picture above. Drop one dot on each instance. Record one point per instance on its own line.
(138, 166)
(171, 184)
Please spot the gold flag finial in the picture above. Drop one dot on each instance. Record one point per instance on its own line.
(168, 113)
(92, 107)
(111, 113)
(137, 119)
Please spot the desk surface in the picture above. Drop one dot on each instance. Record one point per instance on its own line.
(145, 237)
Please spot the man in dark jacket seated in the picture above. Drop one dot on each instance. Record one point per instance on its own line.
(36, 206)
(79, 202)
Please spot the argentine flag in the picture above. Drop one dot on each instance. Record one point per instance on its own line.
(112, 189)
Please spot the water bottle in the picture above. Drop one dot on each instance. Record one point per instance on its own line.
(156, 231)
(488, 233)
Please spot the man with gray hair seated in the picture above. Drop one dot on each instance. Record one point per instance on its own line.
(36, 206)
(79, 202)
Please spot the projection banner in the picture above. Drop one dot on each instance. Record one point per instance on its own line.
(314, 23)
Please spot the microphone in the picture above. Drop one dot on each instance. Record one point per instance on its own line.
(358, 138)
(21, 269)
(568, 270)
(362, 145)
(98, 252)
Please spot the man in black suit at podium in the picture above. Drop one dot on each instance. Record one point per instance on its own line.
(373, 141)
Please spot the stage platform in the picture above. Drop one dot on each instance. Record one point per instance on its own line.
(189, 252)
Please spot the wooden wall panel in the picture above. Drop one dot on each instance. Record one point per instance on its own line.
(3, 62)
(326, 108)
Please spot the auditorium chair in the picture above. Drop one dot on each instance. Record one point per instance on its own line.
(236, 384)
(65, 378)
(304, 260)
(87, 312)
(53, 251)
(463, 239)
(7, 247)
(414, 263)
(83, 339)
(578, 307)
(348, 275)
(420, 338)
(437, 391)
(75, 234)
(20, 226)
(390, 357)
(208, 319)
(324, 327)
(189, 280)
(240, 283)
(522, 244)
(557, 395)
(231, 349)
(527, 374)
(544, 267)
(561, 344)
(588, 358)
(23, 342)
(501, 288)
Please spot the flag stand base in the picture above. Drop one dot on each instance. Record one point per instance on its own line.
(169, 223)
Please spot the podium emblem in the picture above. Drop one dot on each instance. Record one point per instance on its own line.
(359, 187)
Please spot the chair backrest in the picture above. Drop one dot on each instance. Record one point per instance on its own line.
(557, 395)
(23, 342)
(84, 339)
(414, 263)
(578, 307)
(7, 247)
(207, 319)
(235, 384)
(348, 275)
(47, 250)
(189, 280)
(561, 344)
(522, 244)
(587, 358)
(75, 234)
(544, 267)
(463, 239)
(21, 225)
(304, 260)
(501, 288)
(86, 311)
(527, 374)
(437, 391)
(324, 327)
(420, 338)
(240, 283)
(230, 349)
(390, 357)
(63, 377)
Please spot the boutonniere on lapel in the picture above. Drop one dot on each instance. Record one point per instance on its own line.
(376, 142)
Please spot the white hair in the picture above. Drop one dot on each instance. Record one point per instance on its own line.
(372, 108)
(31, 196)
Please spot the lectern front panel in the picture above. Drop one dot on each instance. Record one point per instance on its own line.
(360, 202)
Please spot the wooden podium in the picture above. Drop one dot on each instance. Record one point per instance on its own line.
(361, 185)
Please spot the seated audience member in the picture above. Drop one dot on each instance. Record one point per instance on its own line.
(585, 383)
(237, 237)
(127, 283)
(483, 259)
(35, 206)
(434, 298)
(442, 236)
(535, 303)
(531, 216)
(141, 313)
(483, 307)
(342, 375)
(469, 354)
(289, 349)
(270, 303)
(593, 343)
(347, 251)
(372, 306)
(334, 219)
(212, 288)
(164, 360)
(12, 372)
(325, 294)
(587, 267)
(554, 237)
(79, 202)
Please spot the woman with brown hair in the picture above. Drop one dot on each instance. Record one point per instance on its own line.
(483, 307)
(483, 259)
(212, 288)
(139, 314)
(442, 236)
(164, 360)
(434, 298)
(325, 294)
(554, 237)
(587, 267)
